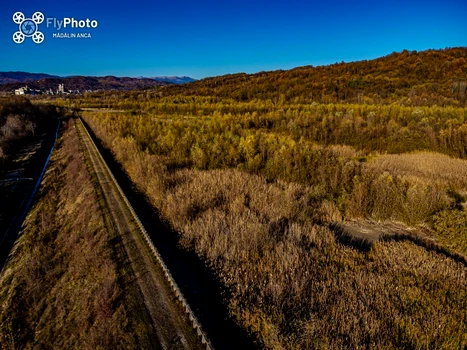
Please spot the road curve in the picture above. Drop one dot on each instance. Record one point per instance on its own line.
(174, 325)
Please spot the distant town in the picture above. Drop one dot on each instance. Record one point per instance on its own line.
(25, 90)
(24, 83)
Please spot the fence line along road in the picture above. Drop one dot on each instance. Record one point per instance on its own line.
(168, 276)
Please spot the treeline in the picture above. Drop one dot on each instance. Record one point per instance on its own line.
(20, 120)
(368, 128)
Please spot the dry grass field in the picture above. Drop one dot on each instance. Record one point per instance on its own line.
(431, 167)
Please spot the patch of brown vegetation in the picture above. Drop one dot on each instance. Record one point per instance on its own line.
(429, 166)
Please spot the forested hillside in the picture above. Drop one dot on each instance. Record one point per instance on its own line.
(409, 77)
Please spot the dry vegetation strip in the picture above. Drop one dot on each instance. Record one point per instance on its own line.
(60, 288)
(429, 166)
(289, 281)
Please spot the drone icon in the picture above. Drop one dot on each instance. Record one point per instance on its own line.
(28, 27)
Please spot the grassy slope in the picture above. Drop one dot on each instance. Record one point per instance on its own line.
(60, 288)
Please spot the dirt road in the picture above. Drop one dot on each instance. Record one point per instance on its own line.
(171, 323)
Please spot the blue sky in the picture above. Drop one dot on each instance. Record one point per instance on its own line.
(208, 38)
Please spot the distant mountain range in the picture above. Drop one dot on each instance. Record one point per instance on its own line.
(175, 80)
(14, 80)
